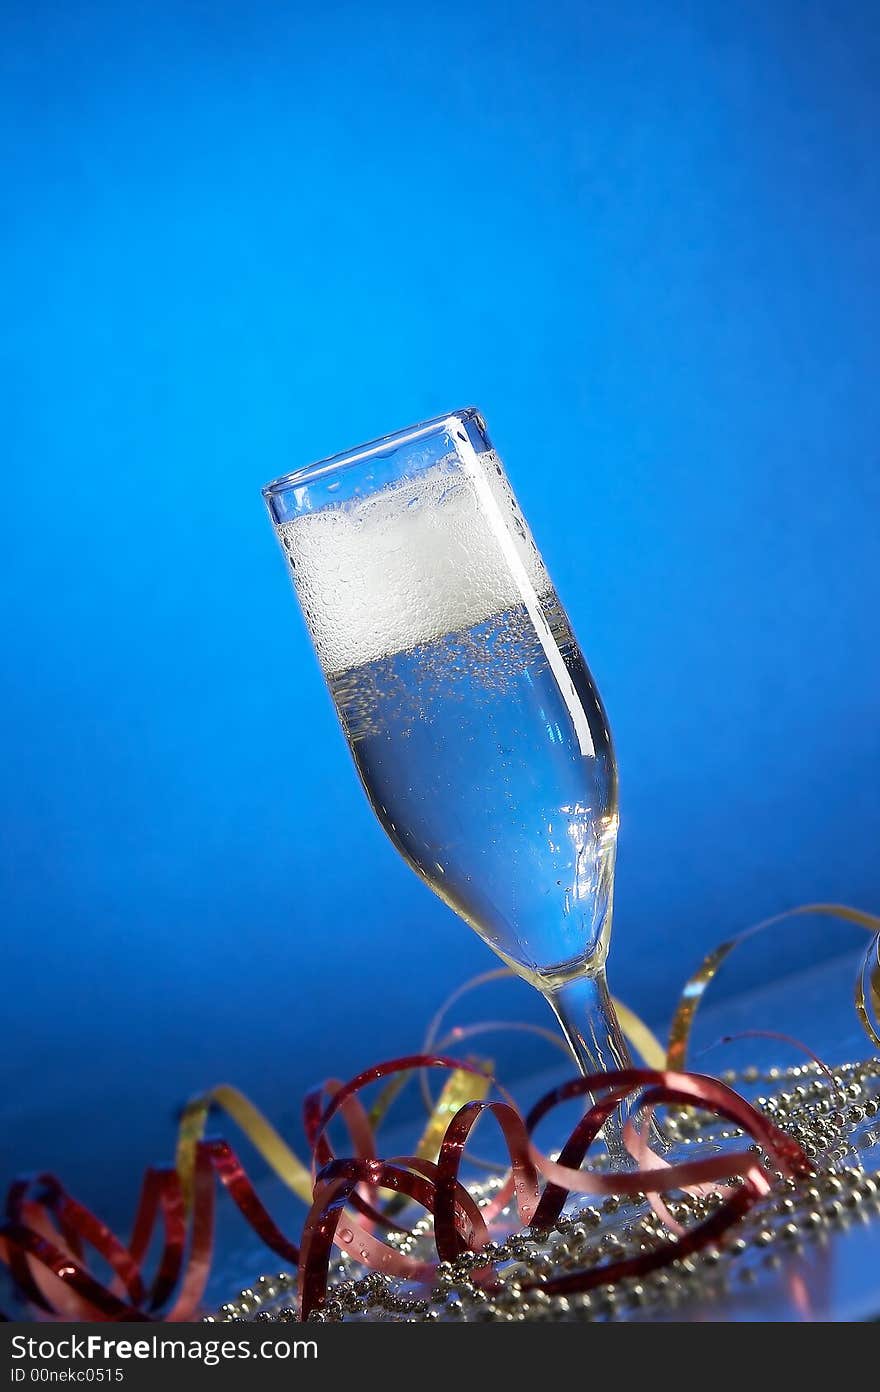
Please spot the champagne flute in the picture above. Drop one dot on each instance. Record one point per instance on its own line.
(473, 720)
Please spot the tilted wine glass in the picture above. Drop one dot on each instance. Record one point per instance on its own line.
(472, 717)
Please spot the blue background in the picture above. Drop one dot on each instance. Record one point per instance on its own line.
(239, 236)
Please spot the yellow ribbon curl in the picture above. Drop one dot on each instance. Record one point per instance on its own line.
(462, 1087)
(867, 996)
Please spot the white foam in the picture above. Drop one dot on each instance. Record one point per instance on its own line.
(419, 559)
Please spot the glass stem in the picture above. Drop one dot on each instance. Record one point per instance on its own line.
(584, 1010)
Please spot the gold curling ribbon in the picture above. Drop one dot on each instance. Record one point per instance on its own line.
(460, 1087)
(696, 986)
(868, 991)
(260, 1132)
(386, 1096)
(642, 1039)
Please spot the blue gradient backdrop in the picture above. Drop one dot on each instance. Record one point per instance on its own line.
(238, 236)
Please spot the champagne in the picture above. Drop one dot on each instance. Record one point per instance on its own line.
(472, 717)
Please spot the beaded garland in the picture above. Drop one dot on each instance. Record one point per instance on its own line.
(832, 1118)
(816, 1126)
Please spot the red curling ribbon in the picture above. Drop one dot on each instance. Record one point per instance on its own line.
(466, 1212)
(690, 1089)
(198, 1265)
(353, 1113)
(635, 1138)
(161, 1192)
(230, 1171)
(692, 1240)
(316, 1121)
(97, 1301)
(44, 1237)
(360, 1130)
(36, 1251)
(681, 1089)
(316, 1126)
(15, 1254)
(523, 1181)
(79, 1226)
(57, 1295)
(336, 1184)
(46, 1231)
(61, 1229)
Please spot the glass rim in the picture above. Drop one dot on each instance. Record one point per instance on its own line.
(373, 449)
